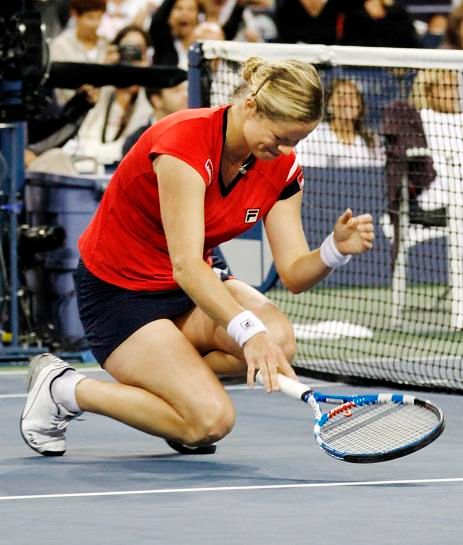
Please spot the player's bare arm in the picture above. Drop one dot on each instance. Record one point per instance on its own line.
(181, 188)
(181, 193)
(298, 267)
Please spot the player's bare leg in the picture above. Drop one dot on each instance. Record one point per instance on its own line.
(220, 352)
(165, 372)
(164, 388)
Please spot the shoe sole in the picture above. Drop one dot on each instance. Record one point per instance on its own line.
(183, 449)
(32, 376)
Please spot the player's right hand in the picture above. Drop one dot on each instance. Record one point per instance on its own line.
(262, 353)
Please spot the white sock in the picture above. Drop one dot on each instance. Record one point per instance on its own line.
(63, 390)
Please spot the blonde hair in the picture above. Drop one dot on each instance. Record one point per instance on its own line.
(422, 84)
(289, 90)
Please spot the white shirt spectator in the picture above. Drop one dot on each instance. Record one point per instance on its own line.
(444, 136)
(322, 148)
(105, 119)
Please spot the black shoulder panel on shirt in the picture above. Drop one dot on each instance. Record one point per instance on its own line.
(291, 189)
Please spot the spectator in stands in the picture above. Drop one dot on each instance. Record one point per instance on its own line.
(118, 112)
(454, 39)
(80, 43)
(436, 29)
(312, 21)
(380, 23)
(173, 26)
(172, 31)
(164, 102)
(342, 140)
(436, 95)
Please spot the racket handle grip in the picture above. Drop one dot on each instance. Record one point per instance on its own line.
(288, 386)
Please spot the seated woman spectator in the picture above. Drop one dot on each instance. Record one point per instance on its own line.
(118, 112)
(172, 31)
(341, 140)
(80, 42)
(435, 94)
(380, 23)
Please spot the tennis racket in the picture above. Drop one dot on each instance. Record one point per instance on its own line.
(368, 428)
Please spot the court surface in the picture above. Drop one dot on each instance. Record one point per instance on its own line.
(267, 484)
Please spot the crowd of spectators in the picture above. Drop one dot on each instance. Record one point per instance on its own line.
(103, 123)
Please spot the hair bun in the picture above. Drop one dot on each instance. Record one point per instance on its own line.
(250, 67)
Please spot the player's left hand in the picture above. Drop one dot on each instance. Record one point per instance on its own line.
(354, 235)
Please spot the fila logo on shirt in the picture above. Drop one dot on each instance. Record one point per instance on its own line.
(252, 215)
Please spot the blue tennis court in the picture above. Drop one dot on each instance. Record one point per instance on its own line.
(268, 483)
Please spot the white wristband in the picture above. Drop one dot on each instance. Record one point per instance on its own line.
(330, 255)
(244, 326)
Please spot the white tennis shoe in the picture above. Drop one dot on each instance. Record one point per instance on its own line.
(43, 421)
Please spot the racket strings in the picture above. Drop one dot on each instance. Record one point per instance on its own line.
(378, 428)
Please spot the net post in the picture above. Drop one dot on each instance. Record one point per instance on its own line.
(196, 97)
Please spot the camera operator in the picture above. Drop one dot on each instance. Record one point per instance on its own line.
(132, 51)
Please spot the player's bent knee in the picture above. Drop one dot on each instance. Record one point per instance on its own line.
(216, 421)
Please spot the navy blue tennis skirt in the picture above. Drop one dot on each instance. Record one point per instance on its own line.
(110, 314)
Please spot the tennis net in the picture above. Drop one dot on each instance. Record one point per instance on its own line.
(390, 143)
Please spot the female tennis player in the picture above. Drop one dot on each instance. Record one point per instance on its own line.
(160, 317)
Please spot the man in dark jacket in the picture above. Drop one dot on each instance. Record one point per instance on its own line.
(164, 101)
(380, 23)
(312, 21)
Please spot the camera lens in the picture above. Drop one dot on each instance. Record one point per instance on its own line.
(130, 53)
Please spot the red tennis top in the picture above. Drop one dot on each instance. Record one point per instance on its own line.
(125, 243)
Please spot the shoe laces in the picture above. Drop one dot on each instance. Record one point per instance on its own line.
(60, 422)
